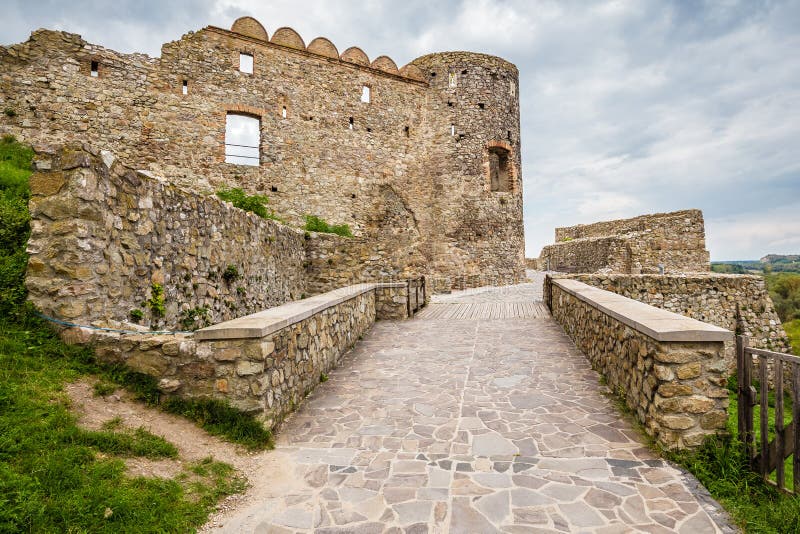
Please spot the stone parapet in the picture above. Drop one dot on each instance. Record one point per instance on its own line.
(736, 302)
(265, 363)
(669, 369)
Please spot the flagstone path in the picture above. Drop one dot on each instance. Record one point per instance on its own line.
(467, 426)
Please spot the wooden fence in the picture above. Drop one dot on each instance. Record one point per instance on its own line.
(769, 456)
(417, 295)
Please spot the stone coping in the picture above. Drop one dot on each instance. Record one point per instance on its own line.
(267, 321)
(656, 323)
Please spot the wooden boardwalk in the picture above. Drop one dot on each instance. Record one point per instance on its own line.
(484, 310)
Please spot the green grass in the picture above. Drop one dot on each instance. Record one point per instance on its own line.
(792, 329)
(315, 224)
(254, 203)
(54, 475)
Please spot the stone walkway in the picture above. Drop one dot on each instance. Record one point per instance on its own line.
(466, 426)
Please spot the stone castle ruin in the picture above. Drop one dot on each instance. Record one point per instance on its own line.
(650, 244)
(422, 162)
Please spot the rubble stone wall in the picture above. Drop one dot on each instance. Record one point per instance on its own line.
(103, 235)
(676, 389)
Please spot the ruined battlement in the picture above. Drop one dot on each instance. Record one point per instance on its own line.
(656, 243)
(422, 159)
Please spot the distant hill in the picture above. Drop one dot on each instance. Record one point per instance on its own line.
(769, 263)
(780, 258)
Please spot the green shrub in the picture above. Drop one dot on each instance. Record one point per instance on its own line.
(190, 318)
(315, 224)
(230, 274)
(254, 203)
(156, 301)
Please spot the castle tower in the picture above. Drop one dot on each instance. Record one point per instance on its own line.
(472, 158)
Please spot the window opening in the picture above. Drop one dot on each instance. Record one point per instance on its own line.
(185, 88)
(365, 94)
(351, 123)
(246, 63)
(452, 129)
(481, 105)
(274, 188)
(283, 112)
(95, 69)
(512, 87)
(452, 79)
(407, 131)
(499, 170)
(242, 139)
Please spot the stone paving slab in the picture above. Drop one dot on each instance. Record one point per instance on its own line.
(468, 426)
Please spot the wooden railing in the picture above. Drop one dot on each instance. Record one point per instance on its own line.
(769, 455)
(417, 295)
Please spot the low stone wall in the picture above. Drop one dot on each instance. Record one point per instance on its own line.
(103, 235)
(586, 255)
(264, 363)
(669, 369)
(740, 303)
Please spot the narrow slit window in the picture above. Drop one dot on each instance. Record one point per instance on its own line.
(452, 80)
(452, 129)
(407, 131)
(350, 125)
(246, 63)
(185, 87)
(481, 105)
(242, 140)
(283, 112)
(95, 69)
(512, 87)
(365, 94)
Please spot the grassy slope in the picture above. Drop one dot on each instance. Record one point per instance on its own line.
(55, 476)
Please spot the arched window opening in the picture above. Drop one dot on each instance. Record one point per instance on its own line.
(499, 170)
(242, 139)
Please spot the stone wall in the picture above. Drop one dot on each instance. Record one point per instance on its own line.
(671, 377)
(102, 235)
(739, 303)
(268, 375)
(409, 171)
(674, 242)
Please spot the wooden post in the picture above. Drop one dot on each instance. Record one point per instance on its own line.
(796, 419)
(745, 397)
(763, 377)
(780, 446)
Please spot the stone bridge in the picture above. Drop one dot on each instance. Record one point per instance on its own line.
(478, 415)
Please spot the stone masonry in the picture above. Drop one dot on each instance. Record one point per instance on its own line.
(674, 242)
(427, 173)
(739, 303)
(674, 381)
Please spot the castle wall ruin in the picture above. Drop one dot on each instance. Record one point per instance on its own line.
(669, 242)
(429, 165)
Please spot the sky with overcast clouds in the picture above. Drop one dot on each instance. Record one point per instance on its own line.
(628, 107)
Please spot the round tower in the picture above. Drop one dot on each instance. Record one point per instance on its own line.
(472, 134)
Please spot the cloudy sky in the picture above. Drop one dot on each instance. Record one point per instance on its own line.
(628, 107)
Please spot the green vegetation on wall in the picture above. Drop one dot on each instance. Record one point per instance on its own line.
(254, 203)
(315, 224)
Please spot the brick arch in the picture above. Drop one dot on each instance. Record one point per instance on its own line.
(323, 47)
(288, 37)
(250, 27)
(355, 55)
